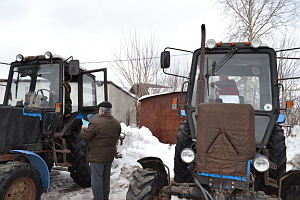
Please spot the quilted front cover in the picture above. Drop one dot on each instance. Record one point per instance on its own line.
(225, 138)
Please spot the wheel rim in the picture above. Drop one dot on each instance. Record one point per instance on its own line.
(22, 188)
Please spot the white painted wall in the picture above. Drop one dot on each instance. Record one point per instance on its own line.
(123, 104)
(2, 91)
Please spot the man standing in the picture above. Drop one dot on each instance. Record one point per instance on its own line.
(102, 135)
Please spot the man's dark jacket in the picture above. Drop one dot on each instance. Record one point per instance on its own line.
(102, 136)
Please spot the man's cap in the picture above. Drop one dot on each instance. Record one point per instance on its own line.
(105, 104)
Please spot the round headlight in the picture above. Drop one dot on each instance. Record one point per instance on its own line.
(187, 155)
(261, 163)
(19, 57)
(211, 43)
(48, 55)
(256, 42)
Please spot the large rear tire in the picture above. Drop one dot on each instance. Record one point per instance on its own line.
(143, 186)
(277, 155)
(184, 140)
(19, 180)
(293, 193)
(80, 171)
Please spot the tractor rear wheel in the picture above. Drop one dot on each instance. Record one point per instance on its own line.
(293, 193)
(277, 155)
(80, 171)
(184, 139)
(19, 180)
(143, 186)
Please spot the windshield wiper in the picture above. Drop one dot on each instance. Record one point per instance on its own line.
(221, 63)
(17, 85)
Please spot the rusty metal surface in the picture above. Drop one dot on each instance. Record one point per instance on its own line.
(157, 115)
(8, 157)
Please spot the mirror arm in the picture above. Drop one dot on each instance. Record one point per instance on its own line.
(175, 74)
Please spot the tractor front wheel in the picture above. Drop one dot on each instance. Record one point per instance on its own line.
(19, 180)
(80, 171)
(277, 154)
(143, 186)
(184, 139)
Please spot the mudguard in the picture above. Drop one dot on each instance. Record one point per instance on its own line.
(40, 165)
(288, 184)
(157, 165)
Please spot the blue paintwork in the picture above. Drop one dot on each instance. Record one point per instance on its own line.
(238, 178)
(33, 114)
(40, 165)
(281, 118)
(79, 116)
(248, 168)
(182, 113)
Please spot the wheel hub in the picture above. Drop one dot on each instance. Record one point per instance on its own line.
(21, 188)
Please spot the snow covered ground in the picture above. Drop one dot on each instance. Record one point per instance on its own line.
(293, 149)
(138, 143)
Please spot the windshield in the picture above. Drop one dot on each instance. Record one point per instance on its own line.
(35, 85)
(244, 79)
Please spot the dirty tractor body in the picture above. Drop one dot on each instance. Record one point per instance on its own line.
(231, 144)
(45, 101)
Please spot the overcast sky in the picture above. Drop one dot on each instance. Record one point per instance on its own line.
(90, 30)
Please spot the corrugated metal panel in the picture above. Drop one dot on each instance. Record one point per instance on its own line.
(157, 114)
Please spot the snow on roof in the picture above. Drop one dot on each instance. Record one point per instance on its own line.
(153, 95)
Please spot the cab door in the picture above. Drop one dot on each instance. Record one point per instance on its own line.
(92, 89)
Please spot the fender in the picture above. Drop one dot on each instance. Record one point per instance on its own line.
(290, 179)
(157, 165)
(40, 165)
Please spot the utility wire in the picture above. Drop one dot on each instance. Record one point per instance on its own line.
(292, 78)
(291, 49)
(4, 63)
(121, 60)
(289, 58)
(127, 60)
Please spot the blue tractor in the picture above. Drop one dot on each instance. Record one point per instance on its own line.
(231, 145)
(45, 100)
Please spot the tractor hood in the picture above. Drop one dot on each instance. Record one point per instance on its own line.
(19, 128)
(225, 138)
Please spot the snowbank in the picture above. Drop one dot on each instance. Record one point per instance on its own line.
(138, 143)
(293, 150)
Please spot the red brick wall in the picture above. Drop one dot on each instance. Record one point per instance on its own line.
(157, 114)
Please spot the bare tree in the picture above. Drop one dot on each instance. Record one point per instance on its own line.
(287, 70)
(258, 18)
(267, 19)
(137, 66)
(137, 61)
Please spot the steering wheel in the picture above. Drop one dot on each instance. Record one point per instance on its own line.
(44, 98)
(42, 93)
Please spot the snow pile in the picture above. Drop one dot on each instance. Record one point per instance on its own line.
(293, 150)
(138, 143)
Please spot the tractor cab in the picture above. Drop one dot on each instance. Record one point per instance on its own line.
(241, 74)
(54, 89)
(51, 83)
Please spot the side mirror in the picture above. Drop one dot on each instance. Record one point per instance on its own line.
(165, 59)
(74, 67)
